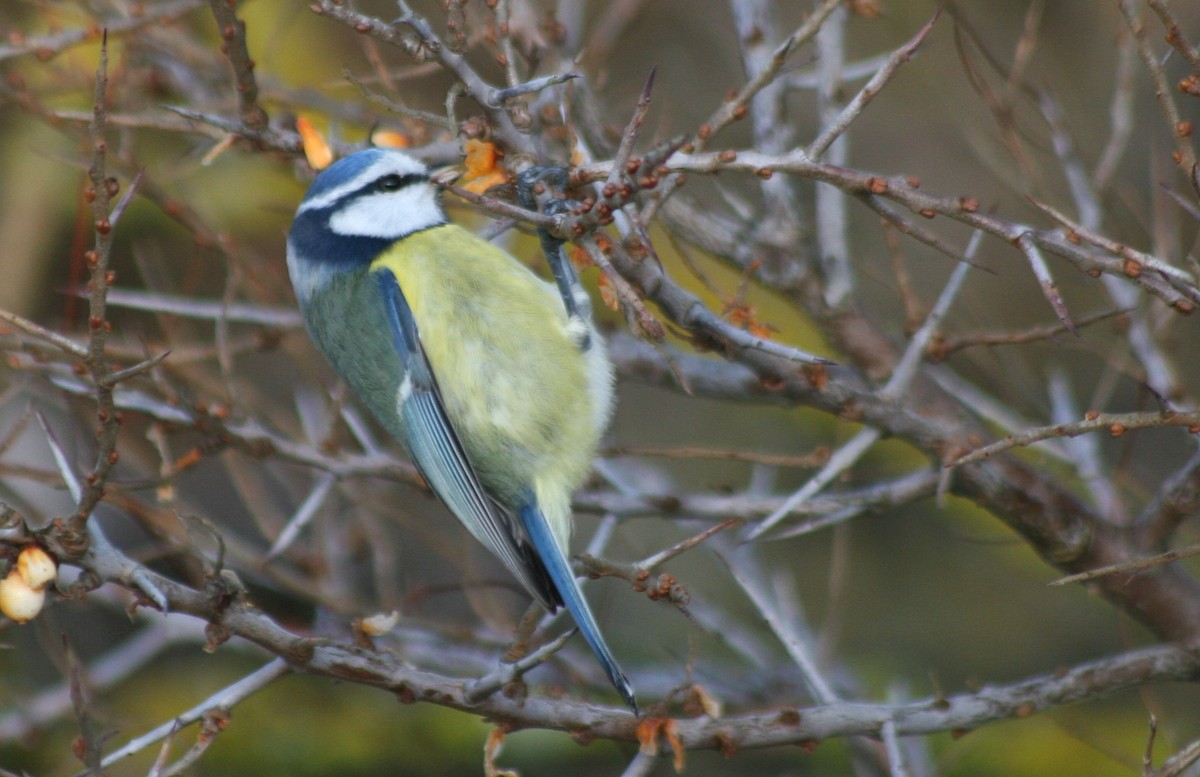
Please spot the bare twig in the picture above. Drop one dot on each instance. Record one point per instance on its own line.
(895, 754)
(1131, 567)
(961, 209)
(1185, 154)
(233, 33)
(486, 686)
(1041, 271)
(1120, 114)
(667, 554)
(630, 135)
(225, 699)
(64, 344)
(1115, 424)
(943, 348)
(425, 44)
(266, 136)
(304, 513)
(46, 46)
(1175, 33)
(88, 743)
(878, 81)
(100, 193)
(846, 455)
(730, 110)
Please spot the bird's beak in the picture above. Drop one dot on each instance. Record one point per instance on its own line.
(445, 175)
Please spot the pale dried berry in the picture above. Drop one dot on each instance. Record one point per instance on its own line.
(36, 567)
(378, 625)
(17, 600)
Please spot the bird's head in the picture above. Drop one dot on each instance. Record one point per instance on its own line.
(355, 209)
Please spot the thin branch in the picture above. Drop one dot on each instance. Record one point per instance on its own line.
(895, 753)
(132, 372)
(486, 686)
(873, 87)
(508, 52)
(1131, 567)
(831, 213)
(394, 107)
(1177, 499)
(1085, 452)
(815, 459)
(943, 348)
(961, 209)
(641, 765)
(1136, 261)
(1115, 424)
(64, 344)
(303, 515)
(233, 35)
(732, 109)
(1175, 33)
(1120, 114)
(206, 310)
(1185, 155)
(426, 44)
(630, 135)
(1177, 764)
(533, 86)
(116, 665)
(99, 194)
(844, 457)
(1041, 271)
(905, 372)
(901, 491)
(44, 47)
(636, 313)
(748, 568)
(665, 555)
(88, 742)
(226, 698)
(268, 137)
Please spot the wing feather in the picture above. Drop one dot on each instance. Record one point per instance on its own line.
(440, 456)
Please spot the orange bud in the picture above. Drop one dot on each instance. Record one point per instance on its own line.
(483, 166)
(390, 139)
(316, 148)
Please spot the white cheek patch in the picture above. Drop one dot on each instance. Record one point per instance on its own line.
(389, 214)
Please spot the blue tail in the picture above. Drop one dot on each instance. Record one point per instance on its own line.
(560, 573)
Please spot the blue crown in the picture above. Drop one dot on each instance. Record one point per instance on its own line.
(343, 170)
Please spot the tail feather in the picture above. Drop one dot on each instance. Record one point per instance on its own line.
(559, 569)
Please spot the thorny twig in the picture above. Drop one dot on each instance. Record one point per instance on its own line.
(233, 34)
(100, 192)
(1115, 424)
(45, 47)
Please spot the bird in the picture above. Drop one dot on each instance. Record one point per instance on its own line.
(497, 384)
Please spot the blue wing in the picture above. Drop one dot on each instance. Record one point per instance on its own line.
(526, 545)
(538, 530)
(442, 460)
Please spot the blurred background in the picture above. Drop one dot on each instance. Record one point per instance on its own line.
(910, 601)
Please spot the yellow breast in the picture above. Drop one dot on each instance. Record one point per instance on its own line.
(514, 384)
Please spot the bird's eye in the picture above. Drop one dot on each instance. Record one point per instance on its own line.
(390, 183)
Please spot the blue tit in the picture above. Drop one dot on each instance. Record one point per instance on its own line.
(471, 361)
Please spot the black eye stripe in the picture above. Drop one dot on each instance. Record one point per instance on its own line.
(394, 182)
